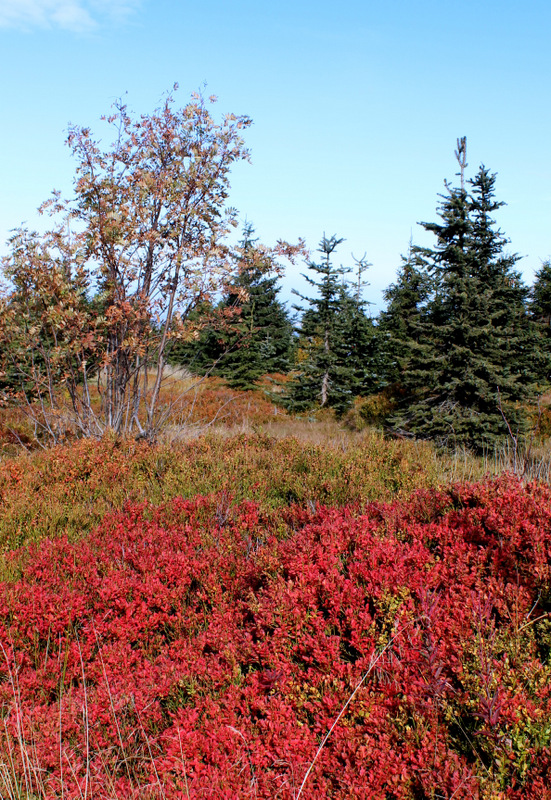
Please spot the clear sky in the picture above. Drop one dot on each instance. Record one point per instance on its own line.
(356, 106)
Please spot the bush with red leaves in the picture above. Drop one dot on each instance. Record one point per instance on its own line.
(203, 650)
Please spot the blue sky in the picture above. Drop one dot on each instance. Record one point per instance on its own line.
(356, 108)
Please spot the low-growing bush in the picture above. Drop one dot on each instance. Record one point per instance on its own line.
(68, 489)
(203, 649)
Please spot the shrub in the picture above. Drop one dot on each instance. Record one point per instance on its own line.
(203, 649)
(68, 489)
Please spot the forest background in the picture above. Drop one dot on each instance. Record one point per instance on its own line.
(138, 273)
(360, 174)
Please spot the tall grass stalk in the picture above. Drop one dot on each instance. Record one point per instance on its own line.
(375, 658)
(112, 706)
(11, 784)
(85, 721)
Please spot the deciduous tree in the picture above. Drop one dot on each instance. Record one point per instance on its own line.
(145, 237)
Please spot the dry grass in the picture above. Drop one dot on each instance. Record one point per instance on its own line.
(68, 489)
(529, 459)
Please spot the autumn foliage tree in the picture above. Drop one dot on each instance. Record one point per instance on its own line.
(93, 304)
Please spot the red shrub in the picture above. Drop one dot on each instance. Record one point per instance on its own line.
(188, 650)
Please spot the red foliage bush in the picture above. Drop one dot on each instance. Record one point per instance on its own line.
(201, 649)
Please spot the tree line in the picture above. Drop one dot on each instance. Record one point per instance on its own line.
(137, 272)
(457, 356)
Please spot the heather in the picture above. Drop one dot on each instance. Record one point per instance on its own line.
(203, 647)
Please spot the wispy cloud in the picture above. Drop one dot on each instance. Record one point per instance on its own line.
(79, 16)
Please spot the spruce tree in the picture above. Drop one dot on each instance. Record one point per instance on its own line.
(338, 343)
(513, 343)
(255, 334)
(466, 383)
(202, 350)
(540, 312)
(261, 340)
(358, 339)
(540, 296)
(322, 378)
(401, 323)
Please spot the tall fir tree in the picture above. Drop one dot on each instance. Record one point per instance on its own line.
(540, 296)
(539, 307)
(358, 338)
(261, 340)
(200, 352)
(464, 385)
(321, 379)
(514, 343)
(401, 323)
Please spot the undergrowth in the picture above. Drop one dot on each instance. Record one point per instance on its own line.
(68, 489)
(203, 648)
(294, 611)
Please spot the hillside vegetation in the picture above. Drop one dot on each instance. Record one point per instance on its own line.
(191, 619)
(218, 577)
(67, 490)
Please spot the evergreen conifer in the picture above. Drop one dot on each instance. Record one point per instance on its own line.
(261, 340)
(256, 335)
(540, 313)
(338, 342)
(469, 370)
(401, 323)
